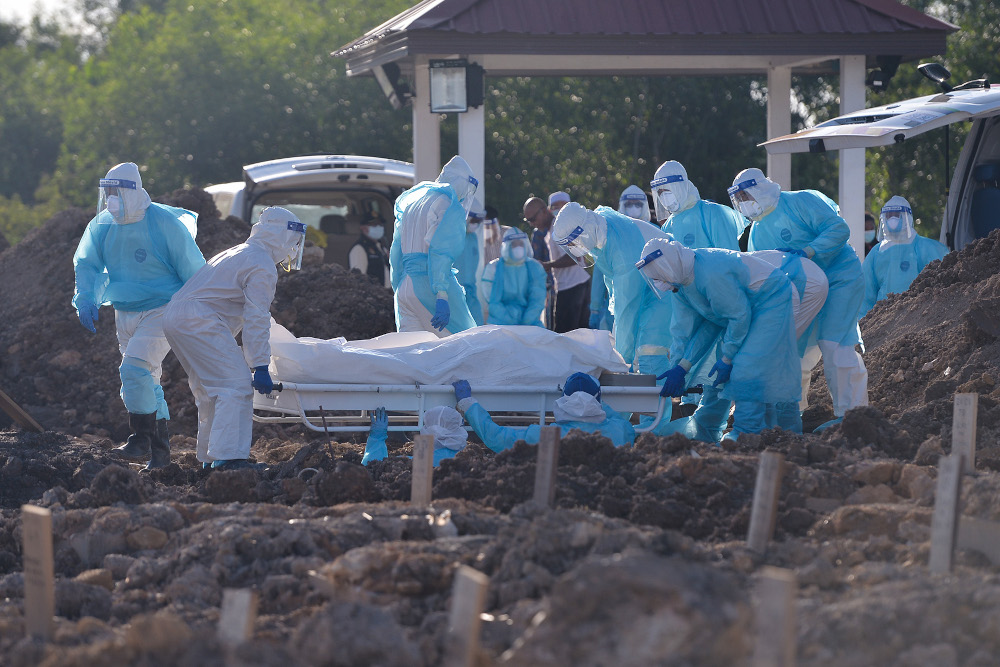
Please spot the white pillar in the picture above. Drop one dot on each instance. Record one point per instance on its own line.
(472, 143)
(426, 125)
(779, 122)
(852, 161)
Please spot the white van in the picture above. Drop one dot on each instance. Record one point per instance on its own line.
(973, 208)
(331, 193)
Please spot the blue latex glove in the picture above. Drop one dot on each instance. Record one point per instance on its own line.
(794, 251)
(262, 380)
(595, 319)
(87, 313)
(380, 423)
(673, 384)
(462, 389)
(722, 370)
(442, 314)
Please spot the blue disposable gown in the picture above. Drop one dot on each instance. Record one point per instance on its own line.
(600, 300)
(499, 438)
(467, 266)
(755, 328)
(642, 320)
(517, 293)
(706, 225)
(890, 267)
(138, 266)
(810, 218)
(431, 272)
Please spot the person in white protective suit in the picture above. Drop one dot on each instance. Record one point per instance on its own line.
(442, 422)
(808, 223)
(233, 292)
(634, 204)
(513, 286)
(134, 255)
(429, 239)
(900, 255)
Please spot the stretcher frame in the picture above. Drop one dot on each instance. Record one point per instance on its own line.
(318, 406)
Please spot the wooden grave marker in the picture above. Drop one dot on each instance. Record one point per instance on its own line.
(468, 595)
(39, 571)
(547, 466)
(17, 413)
(963, 429)
(775, 612)
(944, 521)
(423, 470)
(238, 615)
(764, 512)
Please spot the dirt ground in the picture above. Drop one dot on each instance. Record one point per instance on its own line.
(643, 560)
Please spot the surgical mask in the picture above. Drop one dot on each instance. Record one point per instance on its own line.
(114, 205)
(517, 253)
(375, 232)
(633, 210)
(750, 208)
(869, 235)
(668, 201)
(472, 227)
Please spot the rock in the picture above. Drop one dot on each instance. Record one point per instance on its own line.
(195, 585)
(75, 599)
(66, 359)
(118, 564)
(146, 537)
(345, 634)
(865, 521)
(868, 495)
(874, 472)
(116, 484)
(820, 572)
(163, 635)
(98, 577)
(929, 452)
(915, 482)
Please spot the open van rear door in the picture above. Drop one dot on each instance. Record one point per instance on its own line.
(889, 124)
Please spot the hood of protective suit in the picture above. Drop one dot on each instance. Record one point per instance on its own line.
(760, 187)
(580, 406)
(445, 424)
(634, 198)
(684, 190)
(515, 247)
(458, 174)
(272, 233)
(593, 228)
(902, 232)
(136, 201)
(675, 266)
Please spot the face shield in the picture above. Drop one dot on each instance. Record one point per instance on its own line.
(645, 267)
(112, 198)
(516, 248)
(634, 204)
(294, 260)
(896, 223)
(665, 195)
(744, 202)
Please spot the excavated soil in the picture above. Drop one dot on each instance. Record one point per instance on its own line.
(642, 560)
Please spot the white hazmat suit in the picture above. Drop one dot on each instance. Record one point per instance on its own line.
(233, 292)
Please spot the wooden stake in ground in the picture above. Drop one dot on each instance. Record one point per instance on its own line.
(963, 429)
(468, 595)
(17, 413)
(238, 615)
(764, 513)
(423, 470)
(39, 571)
(775, 610)
(944, 522)
(547, 466)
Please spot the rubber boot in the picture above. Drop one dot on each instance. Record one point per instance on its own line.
(160, 446)
(140, 441)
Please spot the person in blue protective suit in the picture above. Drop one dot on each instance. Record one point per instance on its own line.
(634, 204)
(467, 264)
(442, 422)
(733, 326)
(429, 236)
(901, 254)
(579, 407)
(232, 295)
(513, 286)
(687, 217)
(695, 223)
(134, 255)
(808, 223)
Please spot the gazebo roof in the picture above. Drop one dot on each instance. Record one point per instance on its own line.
(797, 32)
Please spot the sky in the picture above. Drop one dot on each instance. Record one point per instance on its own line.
(21, 11)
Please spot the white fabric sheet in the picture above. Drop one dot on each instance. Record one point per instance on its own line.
(486, 355)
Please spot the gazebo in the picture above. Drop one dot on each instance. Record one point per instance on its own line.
(775, 38)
